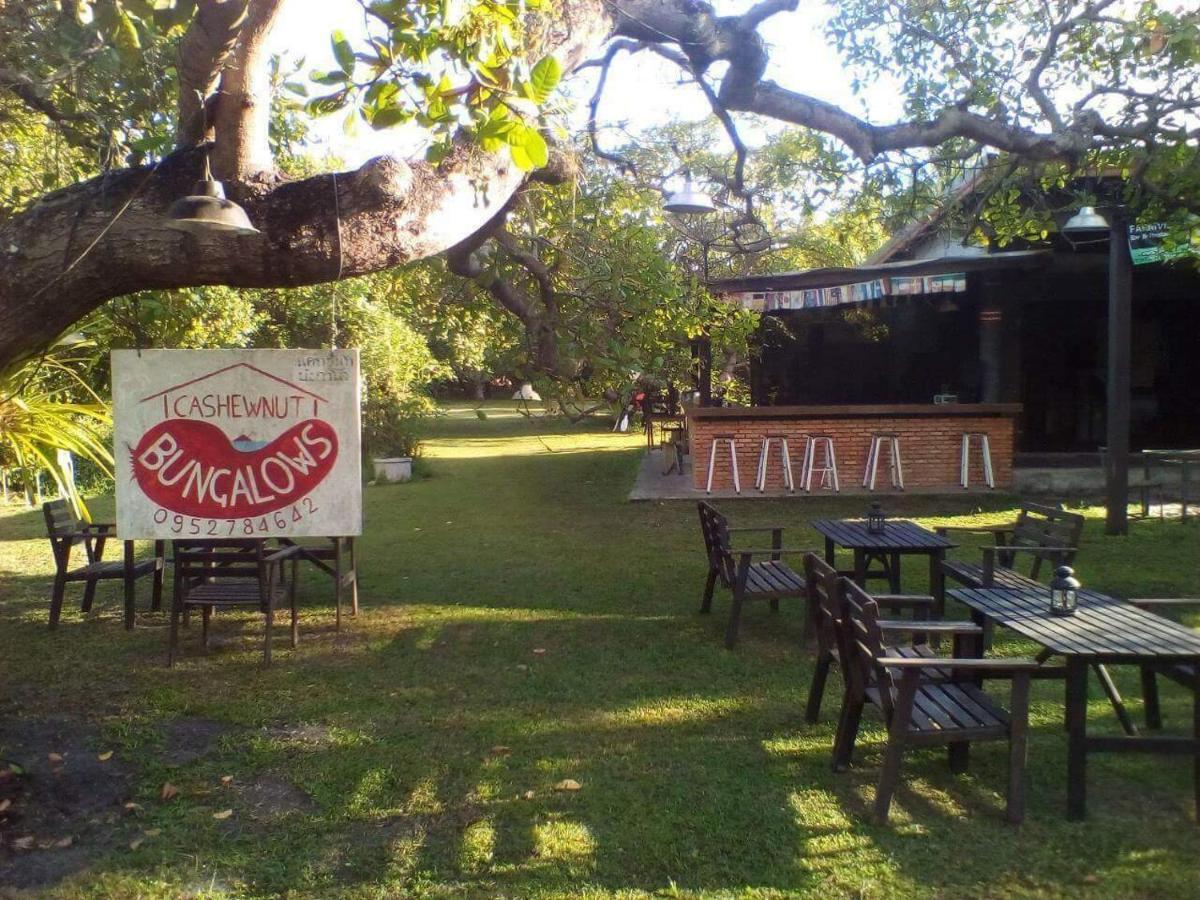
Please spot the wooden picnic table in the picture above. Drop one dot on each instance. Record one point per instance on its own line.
(1103, 630)
(1183, 459)
(899, 538)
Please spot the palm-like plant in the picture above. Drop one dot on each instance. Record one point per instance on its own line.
(46, 405)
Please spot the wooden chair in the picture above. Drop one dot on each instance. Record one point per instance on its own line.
(212, 575)
(65, 531)
(1182, 673)
(337, 558)
(826, 604)
(1043, 534)
(919, 711)
(770, 580)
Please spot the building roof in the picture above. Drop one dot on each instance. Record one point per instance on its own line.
(837, 275)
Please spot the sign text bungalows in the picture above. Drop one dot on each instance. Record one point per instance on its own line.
(237, 443)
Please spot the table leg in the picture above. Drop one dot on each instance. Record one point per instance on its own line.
(860, 567)
(1196, 735)
(1077, 670)
(1114, 697)
(894, 573)
(937, 581)
(1183, 491)
(829, 555)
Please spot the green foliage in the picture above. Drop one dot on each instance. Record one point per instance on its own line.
(450, 67)
(392, 429)
(48, 404)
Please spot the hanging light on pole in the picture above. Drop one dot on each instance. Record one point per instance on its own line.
(1085, 227)
(692, 202)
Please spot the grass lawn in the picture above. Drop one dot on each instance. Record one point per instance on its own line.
(523, 624)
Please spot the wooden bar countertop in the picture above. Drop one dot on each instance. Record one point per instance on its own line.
(872, 411)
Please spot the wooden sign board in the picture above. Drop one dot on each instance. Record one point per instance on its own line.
(237, 443)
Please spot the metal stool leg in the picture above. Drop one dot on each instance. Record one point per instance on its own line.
(987, 462)
(712, 463)
(787, 466)
(761, 478)
(737, 484)
(832, 457)
(869, 471)
(806, 466)
(964, 460)
(897, 466)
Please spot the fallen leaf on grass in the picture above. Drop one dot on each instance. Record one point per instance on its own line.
(568, 784)
(521, 667)
(540, 651)
(226, 779)
(132, 807)
(23, 843)
(529, 795)
(152, 832)
(105, 756)
(223, 814)
(500, 750)
(64, 843)
(169, 792)
(54, 757)
(4, 805)
(136, 842)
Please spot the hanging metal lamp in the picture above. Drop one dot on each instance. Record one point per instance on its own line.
(206, 210)
(689, 201)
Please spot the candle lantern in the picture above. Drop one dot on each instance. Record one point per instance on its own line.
(1064, 592)
(875, 519)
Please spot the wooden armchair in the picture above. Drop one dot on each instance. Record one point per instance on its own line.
(65, 531)
(212, 575)
(920, 711)
(1041, 534)
(1182, 673)
(828, 606)
(771, 579)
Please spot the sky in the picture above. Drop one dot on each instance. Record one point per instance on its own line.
(642, 91)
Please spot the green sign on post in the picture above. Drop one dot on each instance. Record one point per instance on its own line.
(1146, 244)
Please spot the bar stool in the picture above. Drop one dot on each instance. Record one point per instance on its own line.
(730, 441)
(964, 465)
(828, 467)
(879, 440)
(763, 454)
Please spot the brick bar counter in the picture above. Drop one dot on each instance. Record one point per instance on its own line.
(930, 443)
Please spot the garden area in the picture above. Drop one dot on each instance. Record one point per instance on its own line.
(529, 704)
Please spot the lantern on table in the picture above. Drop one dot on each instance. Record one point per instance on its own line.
(876, 520)
(1064, 591)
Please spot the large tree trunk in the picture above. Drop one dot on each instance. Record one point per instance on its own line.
(107, 237)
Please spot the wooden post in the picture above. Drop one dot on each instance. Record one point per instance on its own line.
(1120, 319)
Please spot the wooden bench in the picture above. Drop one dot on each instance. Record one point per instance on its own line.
(65, 531)
(1043, 533)
(919, 711)
(771, 579)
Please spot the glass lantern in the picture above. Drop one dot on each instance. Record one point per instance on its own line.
(875, 519)
(1064, 591)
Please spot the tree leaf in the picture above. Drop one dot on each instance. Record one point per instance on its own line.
(544, 79)
(528, 148)
(342, 51)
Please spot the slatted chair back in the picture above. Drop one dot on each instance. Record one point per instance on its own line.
(715, 528)
(825, 600)
(1046, 526)
(863, 643)
(64, 528)
(224, 561)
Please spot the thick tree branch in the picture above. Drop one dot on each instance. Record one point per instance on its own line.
(202, 54)
(243, 108)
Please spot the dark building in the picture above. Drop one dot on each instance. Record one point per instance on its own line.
(928, 316)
